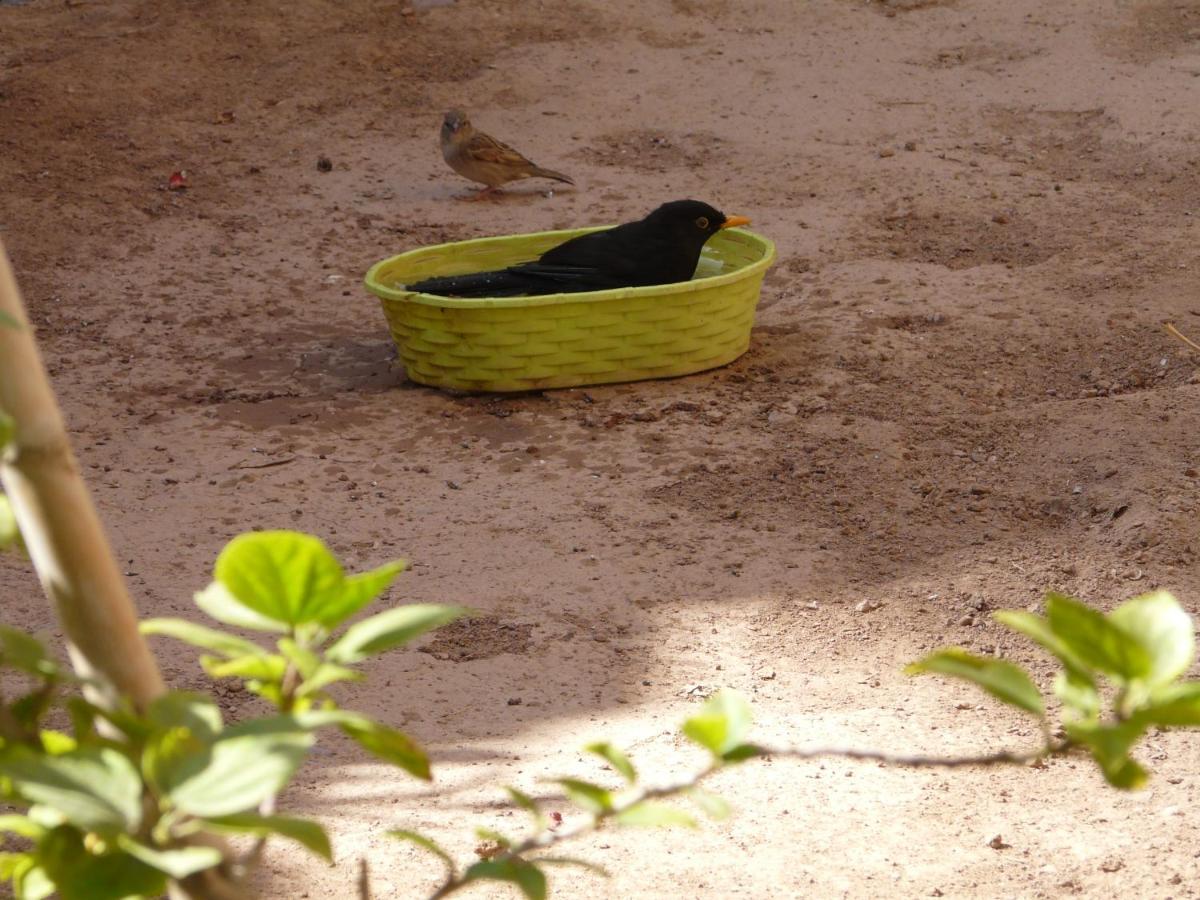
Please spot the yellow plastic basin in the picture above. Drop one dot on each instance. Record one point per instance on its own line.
(567, 340)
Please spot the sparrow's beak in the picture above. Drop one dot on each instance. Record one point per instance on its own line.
(734, 221)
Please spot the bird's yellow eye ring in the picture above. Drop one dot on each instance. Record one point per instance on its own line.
(702, 222)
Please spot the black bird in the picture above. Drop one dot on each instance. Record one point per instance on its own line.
(662, 248)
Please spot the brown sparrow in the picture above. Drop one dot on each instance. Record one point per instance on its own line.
(480, 157)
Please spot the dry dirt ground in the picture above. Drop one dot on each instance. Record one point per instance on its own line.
(959, 393)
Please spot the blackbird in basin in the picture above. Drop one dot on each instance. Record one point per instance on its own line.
(662, 248)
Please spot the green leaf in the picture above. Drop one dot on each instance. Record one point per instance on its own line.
(30, 882)
(615, 758)
(391, 745)
(301, 657)
(80, 875)
(1176, 706)
(413, 837)
(713, 806)
(10, 532)
(83, 718)
(650, 813)
(1003, 680)
(1038, 629)
(21, 825)
(218, 602)
(1160, 625)
(7, 321)
(200, 636)
(525, 875)
(309, 834)
(390, 629)
(284, 575)
(571, 861)
(528, 804)
(96, 789)
(193, 711)
(8, 426)
(742, 752)
(1077, 693)
(587, 796)
(358, 591)
(722, 723)
(1095, 639)
(56, 743)
(12, 864)
(325, 675)
(248, 763)
(46, 816)
(264, 668)
(1110, 746)
(29, 709)
(172, 755)
(26, 653)
(177, 863)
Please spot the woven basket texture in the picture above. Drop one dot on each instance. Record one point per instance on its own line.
(568, 340)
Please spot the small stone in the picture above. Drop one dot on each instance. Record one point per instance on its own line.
(966, 620)
(886, 152)
(324, 164)
(865, 606)
(997, 843)
(514, 701)
(910, 146)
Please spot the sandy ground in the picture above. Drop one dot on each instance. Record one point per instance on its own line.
(958, 394)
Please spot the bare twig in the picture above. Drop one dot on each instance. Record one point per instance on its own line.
(364, 879)
(266, 465)
(1175, 332)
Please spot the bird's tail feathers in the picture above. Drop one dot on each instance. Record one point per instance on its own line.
(539, 172)
(501, 283)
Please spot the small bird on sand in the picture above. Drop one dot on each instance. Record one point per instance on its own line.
(662, 248)
(480, 157)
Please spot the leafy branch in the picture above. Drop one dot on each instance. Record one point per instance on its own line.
(1142, 648)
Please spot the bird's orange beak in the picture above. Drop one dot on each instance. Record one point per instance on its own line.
(734, 221)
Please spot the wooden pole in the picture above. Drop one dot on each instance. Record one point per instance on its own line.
(71, 553)
(59, 523)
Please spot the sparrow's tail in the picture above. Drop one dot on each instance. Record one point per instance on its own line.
(539, 172)
(502, 283)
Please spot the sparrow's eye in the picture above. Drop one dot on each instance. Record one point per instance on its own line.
(702, 223)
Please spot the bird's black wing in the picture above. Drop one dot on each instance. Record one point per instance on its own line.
(527, 279)
(624, 256)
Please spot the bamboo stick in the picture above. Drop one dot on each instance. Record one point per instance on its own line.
(71, 554)
(62, 531)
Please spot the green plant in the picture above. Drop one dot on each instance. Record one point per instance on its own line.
(125, 803)
(112, 806)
